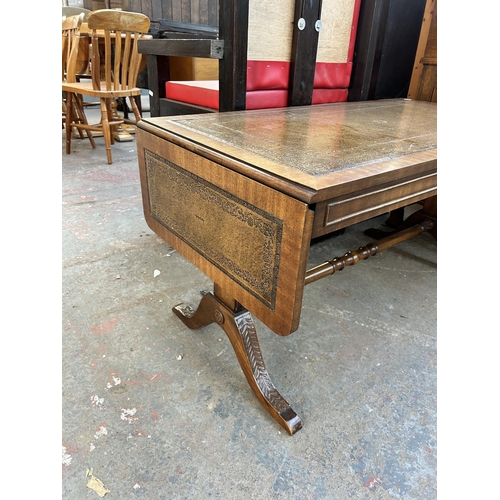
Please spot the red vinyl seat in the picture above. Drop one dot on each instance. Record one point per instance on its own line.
(267, 87)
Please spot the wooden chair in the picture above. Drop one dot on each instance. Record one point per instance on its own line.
(286, 52)
(83, 50)
(70, 44)
(114, 72)
(74, 11)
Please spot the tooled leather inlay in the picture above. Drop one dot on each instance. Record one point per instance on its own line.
(317, 140)
(238, 238)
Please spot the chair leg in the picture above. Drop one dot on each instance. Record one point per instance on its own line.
(82, 118)
(77, 130)
(106, 129)
(69, 112)
(135, 109)
(137, 100)
(111, 116)
(76, 116)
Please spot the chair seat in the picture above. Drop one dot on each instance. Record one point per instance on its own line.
(86, 89)
(199, 92)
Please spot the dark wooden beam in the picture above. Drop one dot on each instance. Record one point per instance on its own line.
(208, 48)
(233, 31)
(304, 49)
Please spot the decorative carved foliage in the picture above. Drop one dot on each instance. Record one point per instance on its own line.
(246, 328)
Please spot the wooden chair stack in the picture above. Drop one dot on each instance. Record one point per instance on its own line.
(70, 44)
(114, 71)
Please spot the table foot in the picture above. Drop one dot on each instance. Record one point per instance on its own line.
(240, 329)
(196, 319)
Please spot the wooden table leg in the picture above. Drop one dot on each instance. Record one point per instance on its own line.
(240, 328)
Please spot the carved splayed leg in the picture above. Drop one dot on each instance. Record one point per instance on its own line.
(243, 336)
(240, 329)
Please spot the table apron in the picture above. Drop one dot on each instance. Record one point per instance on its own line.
(337, 213)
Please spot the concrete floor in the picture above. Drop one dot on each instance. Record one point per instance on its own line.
(157, 411)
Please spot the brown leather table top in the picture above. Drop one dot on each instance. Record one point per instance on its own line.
(315, 148)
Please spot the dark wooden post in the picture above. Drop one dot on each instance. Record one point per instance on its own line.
(158, 73)
(304, 49)
(386, 42)
(233, 29)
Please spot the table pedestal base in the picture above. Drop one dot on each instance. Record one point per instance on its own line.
(240, 328)
(238, 324)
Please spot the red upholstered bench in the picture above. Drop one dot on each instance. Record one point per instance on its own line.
(267, 86)
(268, 70)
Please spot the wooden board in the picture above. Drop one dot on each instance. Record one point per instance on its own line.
(423, 84)
(193, 68)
